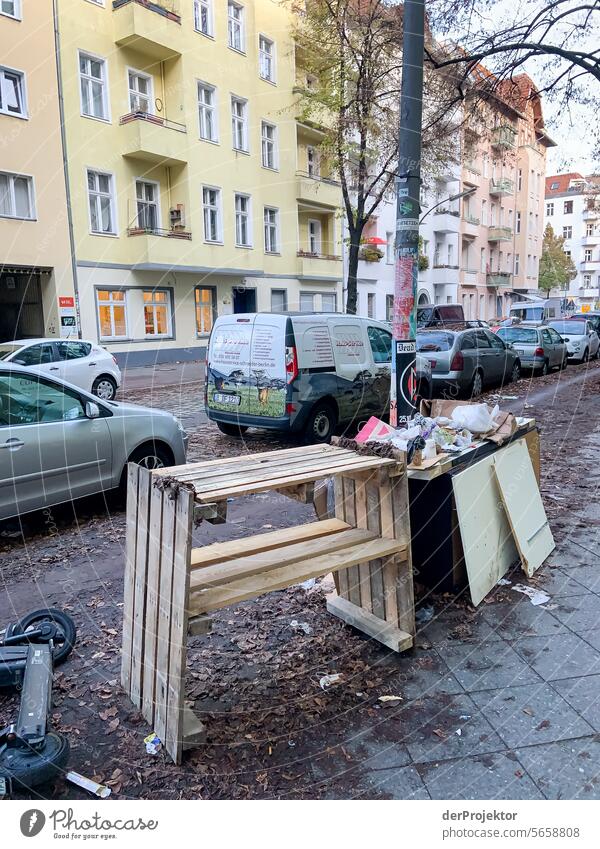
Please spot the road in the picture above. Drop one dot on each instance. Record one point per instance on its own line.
(520, 683)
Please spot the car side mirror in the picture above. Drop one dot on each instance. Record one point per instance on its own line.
(92, 410)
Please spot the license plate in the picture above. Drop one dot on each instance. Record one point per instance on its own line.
(222, 398)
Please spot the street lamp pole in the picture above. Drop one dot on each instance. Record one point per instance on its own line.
(408, 184)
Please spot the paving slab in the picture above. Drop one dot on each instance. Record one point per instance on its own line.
(403, 783)
(568, 554)
(569, 769)
(587, 574)
(583, 694)
(580, 613)
(592, 637)
(492, 776)
(527, 715)
(487, 666)
(557, 582)
(562, 656)
(514, 620)
(426, 674)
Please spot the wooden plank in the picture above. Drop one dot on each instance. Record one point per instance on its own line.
(384, 632)
(244, 567)
(532, 440)
(389, 566)
(375, 566)
(340, 578)
(163, 654)
(304, 493)
(180, 472)
(364, 571)
(152, 593)
(404, 581)
(199, 625)
(219, 552)
(194, 731)
(179, 623)
(350, 508)
(215, 513)
(141, 565)
(277, 579)
(129, 583)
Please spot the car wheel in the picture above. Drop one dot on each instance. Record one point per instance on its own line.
(516, 372)
(234, 430)
(151, 456)
(477, 384)
(586, 356)
(544, 369)
(104, 387)
(320, 425)
(564, 363)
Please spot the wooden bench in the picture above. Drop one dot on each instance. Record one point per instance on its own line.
(171, 588)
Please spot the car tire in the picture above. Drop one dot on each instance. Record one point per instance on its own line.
(321, 424)
(104, 387)
(476, 385)
(544, 369)
(237, 431)
(515, 372)
(151, 456)
(586, 356)
(564, 363)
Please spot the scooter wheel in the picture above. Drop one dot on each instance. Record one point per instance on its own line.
(64, 623)
(26, 767)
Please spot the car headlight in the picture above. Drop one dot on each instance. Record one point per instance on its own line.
(576, 346)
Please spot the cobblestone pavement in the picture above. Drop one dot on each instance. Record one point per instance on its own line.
(501, 702)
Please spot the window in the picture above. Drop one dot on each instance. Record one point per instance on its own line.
(211, 203)
(36, 355)
(268, 136)
(567, 232)
(381, 344)
(157, 313)
(203, 17)
(11, 8)
(389, 307)
(307, 302)
(587, 255)
(12, 93)
(270, 229)
(313, 162)
(553, 186)
(148, 213)
(329, 302)
(278, 300)
(314, 236)
(73, 350)
(28, 401)
(235, 26)
(266, 58)
(482, 259)
(484, 212)
(370, 309)
(519, 180)
(517, 263)
(207, 112)
(16, 196)
(206, 309)
(587, 281)
(140, 92)
(242, 221)
(567, 253)
(568, 209)
(92, 80)
(389, 248)
(518, 222)
(112, 314)
(549, 209)
(589, 230)
(101, 202)
(239, 123)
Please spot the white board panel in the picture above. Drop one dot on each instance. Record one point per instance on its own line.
(486, 534)
(523, 503)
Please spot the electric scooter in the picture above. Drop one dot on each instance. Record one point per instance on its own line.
(30, 754)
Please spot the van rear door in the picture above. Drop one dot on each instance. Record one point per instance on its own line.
(268, 378)
(354, 367)
(228, 364)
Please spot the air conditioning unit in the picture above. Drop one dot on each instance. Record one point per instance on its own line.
(177, 216)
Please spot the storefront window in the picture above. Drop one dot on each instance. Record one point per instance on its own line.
(205, 309)
(157, 313)
(112, 314)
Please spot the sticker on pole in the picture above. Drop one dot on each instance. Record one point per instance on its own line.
(407, 224)
(406, 347)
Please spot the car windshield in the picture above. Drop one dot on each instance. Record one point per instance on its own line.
(435, 342)
(569, 328)
(525, 335)
(7, 350)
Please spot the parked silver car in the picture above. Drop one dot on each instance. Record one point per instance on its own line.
(465, 360)
(539, 348)
(59, 443)
(583, 343)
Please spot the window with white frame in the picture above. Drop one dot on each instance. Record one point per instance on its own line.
(203, 17)
(587, 281)
(370, 304)
(239, 123)
(157, 312)
(266, 58)
(589, 230)
(101, 202)
(389, 307)
(140, 92)
(271, 235)
(211, 206)
(307, 302)
(568, 207)
(587, 255)
(268, 137)
(518, 222)
(16, 196)
(389, 248)
(206, 309)
(242, 221)
(235, 26)
(147, 205)
(11, 8)
(279, 300)
(549, 209)
(329, 302)
(314, 236)
(12, 93)
(112, 314)
(519, 179)
(207, 112)
(93, 88)
(568, 232)
(313, 161)
(517, 263)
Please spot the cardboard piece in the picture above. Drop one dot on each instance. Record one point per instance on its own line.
(506, 422)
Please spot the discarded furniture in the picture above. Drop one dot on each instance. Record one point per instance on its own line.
(171, 588)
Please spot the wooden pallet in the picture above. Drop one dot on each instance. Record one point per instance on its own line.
(172, 588)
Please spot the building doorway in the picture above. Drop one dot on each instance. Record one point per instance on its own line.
(244, 300)
(21, 311)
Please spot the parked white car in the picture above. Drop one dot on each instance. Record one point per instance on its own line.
(78, 361)
(582, 340)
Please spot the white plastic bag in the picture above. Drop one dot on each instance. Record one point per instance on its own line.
(475, 417)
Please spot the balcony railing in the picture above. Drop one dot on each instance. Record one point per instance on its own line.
(503, 137)
(175, 233)
(442, 265)
(499, 234)
(311, 255)
(498, 278)
(319, 177)
(503, 186)
(471, 219)
(167, 8)
(446, 210)
(152, 119)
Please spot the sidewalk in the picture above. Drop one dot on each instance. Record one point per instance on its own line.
(164, 374)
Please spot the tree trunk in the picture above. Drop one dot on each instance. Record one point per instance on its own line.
(352, 279)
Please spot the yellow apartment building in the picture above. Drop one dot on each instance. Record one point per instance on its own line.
(195, 191)
(37, 296)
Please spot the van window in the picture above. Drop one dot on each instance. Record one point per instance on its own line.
(381, 344)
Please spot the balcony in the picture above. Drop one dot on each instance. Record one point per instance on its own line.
(587, 292)
(148, 27)
(590, 265)
(471, 174)
(318, 191)
(591, 214)
(160, 247)
(502, 187)
(470, 226)
(154, 139)
(440, 275)
(503, 138)
(591, 241)
(446, 220)
(319, 266)
(500, 234)
(498, 279)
